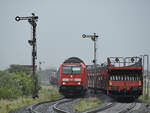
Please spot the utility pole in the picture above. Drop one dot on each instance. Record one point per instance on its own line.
(32, 20)
(94, 38)
(147, 75)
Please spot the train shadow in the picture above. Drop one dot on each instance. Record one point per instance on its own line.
(124, 99)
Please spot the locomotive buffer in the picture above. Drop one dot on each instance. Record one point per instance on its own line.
(94, 38)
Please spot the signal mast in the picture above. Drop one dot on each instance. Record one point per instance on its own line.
(32, 20)
(94, 38)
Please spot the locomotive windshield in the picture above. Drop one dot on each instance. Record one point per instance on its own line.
(71, 69)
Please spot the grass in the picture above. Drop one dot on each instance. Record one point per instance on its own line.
(87, 103)
(45, 94)
(147, 100)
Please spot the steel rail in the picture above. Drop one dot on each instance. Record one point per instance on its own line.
(98, 109)
(128, 108)
(56, 109)
(32, 108)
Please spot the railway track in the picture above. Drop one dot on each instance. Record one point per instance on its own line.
(63, 105)
(123, 108)
(42, 107)
(60, 107)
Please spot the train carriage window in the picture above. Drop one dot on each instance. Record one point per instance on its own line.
(113, 77)
(133, 78)
(136, 78)
(121, 77)
(128, 78)
(110, 77)
(125, 78)
(116, 77)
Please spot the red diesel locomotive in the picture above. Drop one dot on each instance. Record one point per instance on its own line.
(53, 79)
(72, 77)
(120, 76)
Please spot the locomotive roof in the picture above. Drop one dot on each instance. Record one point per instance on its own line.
(73, 60)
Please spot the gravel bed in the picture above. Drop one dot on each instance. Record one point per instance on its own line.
(68, 106)
(142, 109)
(44, 108)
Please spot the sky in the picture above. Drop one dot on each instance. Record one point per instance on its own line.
(123, 27)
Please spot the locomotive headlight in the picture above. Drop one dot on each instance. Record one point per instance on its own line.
(79, 83)
(77, 79)
(65, 79)
(64, 83)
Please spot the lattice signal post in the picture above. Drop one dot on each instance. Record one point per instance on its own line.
(32, 20)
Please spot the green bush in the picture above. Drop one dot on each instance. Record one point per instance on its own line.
(15, 83)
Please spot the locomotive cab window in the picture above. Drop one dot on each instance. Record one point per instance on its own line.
(76, 69)
(70, 69)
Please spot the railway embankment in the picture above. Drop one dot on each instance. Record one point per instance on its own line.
(46, 93)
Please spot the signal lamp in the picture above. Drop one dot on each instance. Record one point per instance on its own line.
(117, 59)
(17, 18)
(83, 35)
(139, 83)
(110, 83)
(30, 42)
(132, 59)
